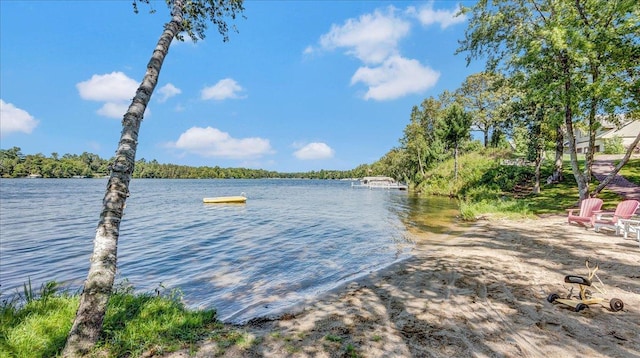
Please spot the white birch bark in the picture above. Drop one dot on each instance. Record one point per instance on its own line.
(99, 283)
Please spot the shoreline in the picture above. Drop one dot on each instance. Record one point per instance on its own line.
(474, 291)
(359, 279)
(300, 307)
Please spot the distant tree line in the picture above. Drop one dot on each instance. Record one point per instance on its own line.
(15, 164)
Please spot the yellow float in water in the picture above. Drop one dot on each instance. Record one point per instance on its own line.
(238, 199)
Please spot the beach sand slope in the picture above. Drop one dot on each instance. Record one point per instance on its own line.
(479, 291)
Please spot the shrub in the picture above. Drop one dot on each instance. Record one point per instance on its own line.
(614, 146)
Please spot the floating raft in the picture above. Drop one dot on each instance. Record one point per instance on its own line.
(239, 199)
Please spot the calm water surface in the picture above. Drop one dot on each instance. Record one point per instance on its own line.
(292, 240)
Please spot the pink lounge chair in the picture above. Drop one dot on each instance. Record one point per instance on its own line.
(586, 214)
(608, 219)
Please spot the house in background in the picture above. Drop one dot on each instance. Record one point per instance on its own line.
(628, 131)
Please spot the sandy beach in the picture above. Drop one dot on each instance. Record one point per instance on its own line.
(476, 291)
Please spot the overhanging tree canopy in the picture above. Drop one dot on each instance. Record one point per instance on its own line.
(589, 50)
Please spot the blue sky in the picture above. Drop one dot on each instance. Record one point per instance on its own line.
(304, 85)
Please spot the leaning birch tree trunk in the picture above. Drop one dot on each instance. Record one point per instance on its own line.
(617, 168)
(99, 283)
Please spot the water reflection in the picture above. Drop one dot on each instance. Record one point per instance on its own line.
(430, 214)
(292, 240)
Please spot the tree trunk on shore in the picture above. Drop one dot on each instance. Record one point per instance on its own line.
(583, 184)
(99, 283)
(617, 168)
(588, 158)
(538, 147)
(558, 175)
(455, 162)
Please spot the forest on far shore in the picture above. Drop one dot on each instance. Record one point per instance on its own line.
(15, 164)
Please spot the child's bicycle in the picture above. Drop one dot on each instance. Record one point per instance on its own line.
(585, 296)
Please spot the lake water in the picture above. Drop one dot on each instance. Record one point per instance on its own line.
(293, 239)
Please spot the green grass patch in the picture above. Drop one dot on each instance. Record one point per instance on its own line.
(631, 171)
(333, 338)
(38, 328)
(471, 167)
(488, 189)
(134, 325)
(494, 209)
(350, 351)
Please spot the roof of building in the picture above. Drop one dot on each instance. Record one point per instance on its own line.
(626, 130)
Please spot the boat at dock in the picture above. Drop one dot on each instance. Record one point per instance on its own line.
(379, 182)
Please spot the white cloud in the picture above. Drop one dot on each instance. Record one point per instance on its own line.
(308, 50)
(115, 89)
(396, 77)
(112, 87)
(212, 142)
(167, 91)
(113, 109)
(187, 40)
(427, 16)
(14, 119)
(374, 39)
(371, 38)
(224, 89)
(314, 150)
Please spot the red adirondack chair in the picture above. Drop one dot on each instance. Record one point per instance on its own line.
(586, 214)
(609, 219)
